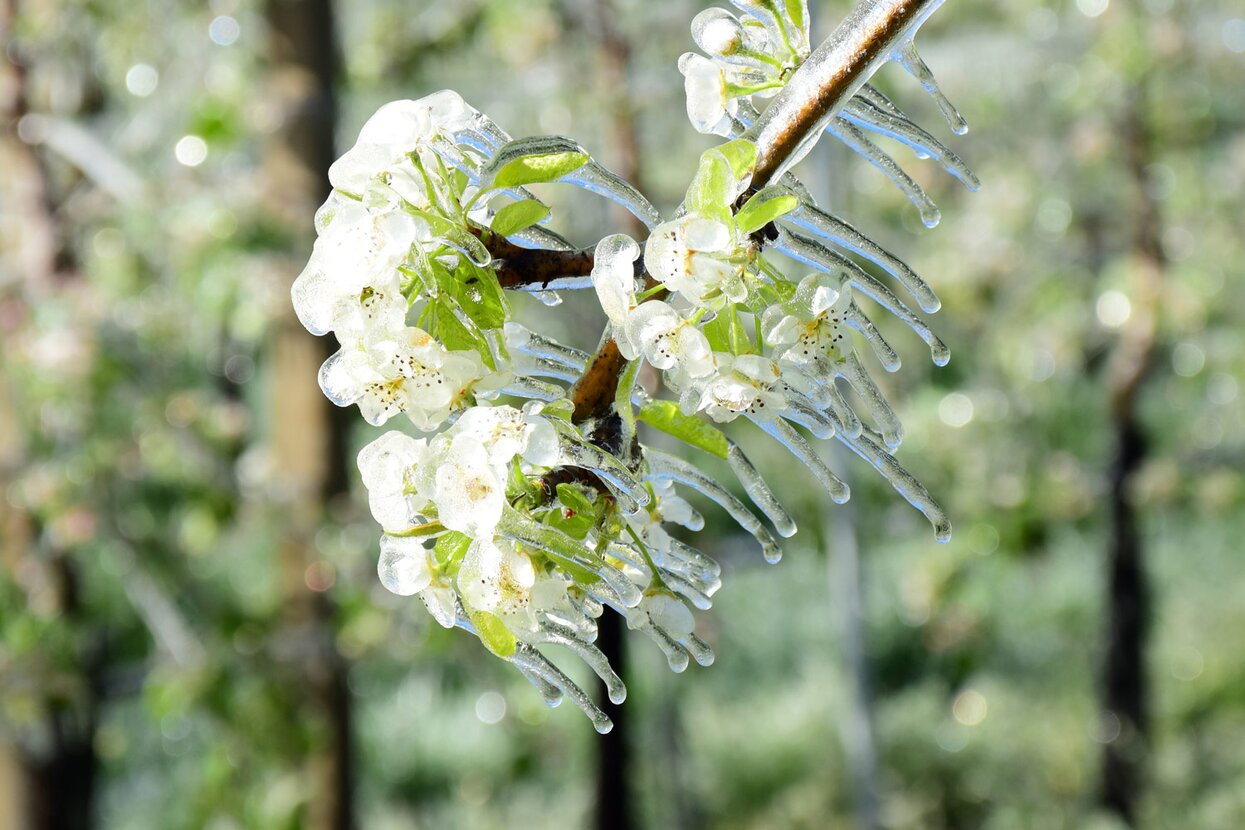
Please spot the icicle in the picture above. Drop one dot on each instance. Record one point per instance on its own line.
(535, 237)
(756, 488)
(896, 125)
(859, 144)
(885, 354)
(631, 493)
(532, 661)
(551, 693)
(842, 411)
(908, 57)
(552, 299)
(666, 466)
(795, 443)
(800, 410)
(677, 657)
(532, 389)
(523, 339)
(562, 548)
(903, 481)
(695, 594)
(596, 179)
(812, 252)
(597, 661)
(852, 371)
(524, 363)
(845, 236)
(690, 560)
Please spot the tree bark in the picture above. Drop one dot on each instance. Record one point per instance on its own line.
(309, 436)
(1125, 692)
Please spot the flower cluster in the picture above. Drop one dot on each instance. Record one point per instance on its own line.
(531, 504)
(393, 235)
(751, 54)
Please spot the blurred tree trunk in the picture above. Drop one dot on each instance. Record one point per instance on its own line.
(55, 772)
(308, 435)
(1125, 688)
(615, 786)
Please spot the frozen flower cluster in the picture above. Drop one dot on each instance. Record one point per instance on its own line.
(531, 502)
(753, 53)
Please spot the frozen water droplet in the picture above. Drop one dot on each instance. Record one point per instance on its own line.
(403, 565)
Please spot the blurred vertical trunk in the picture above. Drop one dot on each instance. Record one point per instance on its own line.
(308, 435)
(1125, 690)
(856, 722)
(51, 779)
(839, 537)
(615, 787)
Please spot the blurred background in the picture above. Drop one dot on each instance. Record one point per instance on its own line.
(192, 633)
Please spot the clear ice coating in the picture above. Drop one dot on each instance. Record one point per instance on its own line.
(839, 233)
(887, 422)
(811, 252)
(908, 58)
(903, 481)
(797, 446)
(591, 176)
(756, 488)
(536, 667)
(879, 158)
(866, 112)
(664, 466)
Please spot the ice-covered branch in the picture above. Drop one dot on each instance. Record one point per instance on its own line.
(867, 38)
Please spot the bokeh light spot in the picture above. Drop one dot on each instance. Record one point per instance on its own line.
(224, 30)
(191, 150)
(1113, 309)
(490, 708)
(142, 79)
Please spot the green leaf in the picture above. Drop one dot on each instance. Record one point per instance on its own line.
(573, 499)
(493, 633)
(455, 335)
(764, 207)
(741, 155)
(665, 416)
(479, 295)
(450, 550)
(795, 11)
(713, 188)
(726, 332)
(545, 167)
(516, 216)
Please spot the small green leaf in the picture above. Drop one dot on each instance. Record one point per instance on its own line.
(764, 207)
(573, 499)
(493, 633)
(455, 335)
(563, 409)
(516, 216)
(713, 189)
(726, 332)
(741, 155)
(545, 167)
(479, 295)
(795, 11)
(450, 550)
(665, 416)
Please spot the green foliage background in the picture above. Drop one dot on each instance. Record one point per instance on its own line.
(133, 442)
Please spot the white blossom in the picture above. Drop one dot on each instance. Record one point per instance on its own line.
(407, 371)
(809, 333)
(700, 258)
(498, 578)
(355, 257)
(403, 565)
(396, 130)
(742, 384)
(667, 340)
(387, 466)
